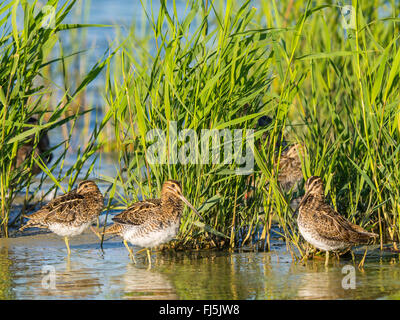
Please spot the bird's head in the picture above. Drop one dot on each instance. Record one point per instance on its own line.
(172, 189)
(87, 186)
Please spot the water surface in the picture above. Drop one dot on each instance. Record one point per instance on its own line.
(92, 273)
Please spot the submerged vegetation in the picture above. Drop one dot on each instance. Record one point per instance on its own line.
(327, 75)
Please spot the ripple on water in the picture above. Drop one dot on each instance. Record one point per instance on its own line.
(92, 273)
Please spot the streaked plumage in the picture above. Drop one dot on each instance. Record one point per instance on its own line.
(70, 214)
(322, 226)
(149, 223)
(289, 165)
(28, 149)
(290, 173)
(141, 224)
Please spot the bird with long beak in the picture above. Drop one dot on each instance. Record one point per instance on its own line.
(322, 226)
(152, 222)
(70, 214)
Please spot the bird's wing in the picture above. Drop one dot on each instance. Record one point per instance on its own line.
(289, 164)
(139, 212)
(333, 226)
(64, 208)
(289, 172)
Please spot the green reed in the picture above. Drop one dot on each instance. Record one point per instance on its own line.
(331, 88)
(345, 84)
(202, 79)
(27, 91)
(329, 84)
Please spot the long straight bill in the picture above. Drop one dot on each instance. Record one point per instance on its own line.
(301, 202)
(191, 207)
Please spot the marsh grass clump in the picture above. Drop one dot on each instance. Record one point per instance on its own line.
(26, 115)
(326, 75)
(201, 75)
(328, 83)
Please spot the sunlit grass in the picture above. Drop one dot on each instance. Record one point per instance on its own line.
(331, 88)
(26, 91)
(328, 84)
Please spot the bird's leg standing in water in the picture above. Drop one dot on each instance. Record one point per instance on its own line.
(326, 258)
(131, 255)
(149, 257)
(361, 264)
(67, 244)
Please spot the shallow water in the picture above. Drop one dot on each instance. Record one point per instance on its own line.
(27, 263)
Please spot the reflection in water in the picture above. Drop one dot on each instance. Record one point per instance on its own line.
(212, 275)
(318, 282)
(71, 283)
(146, 284)
(274, 276)
(91, 274)
(6, 284)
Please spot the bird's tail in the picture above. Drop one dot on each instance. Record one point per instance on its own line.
(366, 237)
(113, 229)
(36, 220)
(29, 224)
(23, 227)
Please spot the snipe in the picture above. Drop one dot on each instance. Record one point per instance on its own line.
(70, 214)
(29, 149)
(152, 222)
(289, 173)
(322, 226)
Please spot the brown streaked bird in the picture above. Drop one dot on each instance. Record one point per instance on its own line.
(70, 214)
(322, 226)
(28, 149)
(152, 222)
(289, 173)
